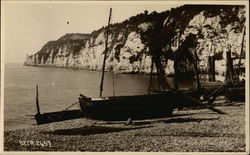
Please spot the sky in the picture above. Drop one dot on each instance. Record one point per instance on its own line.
(27, 26)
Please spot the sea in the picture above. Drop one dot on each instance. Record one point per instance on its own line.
(58, 88)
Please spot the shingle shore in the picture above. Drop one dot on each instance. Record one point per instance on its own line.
(188, 130)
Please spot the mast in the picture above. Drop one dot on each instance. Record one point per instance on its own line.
(105, 54)
(151, 75)
(37, 101)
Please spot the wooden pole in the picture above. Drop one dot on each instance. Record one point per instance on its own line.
(211, 68)
(176, 68)
(229, 68)
(105, 54)
(176, 71)
(198, 102)
(37, 100)
(151, 75)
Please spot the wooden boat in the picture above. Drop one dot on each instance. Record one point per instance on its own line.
(136, 107)
(58, 116)
(236, 92)
(49, 117)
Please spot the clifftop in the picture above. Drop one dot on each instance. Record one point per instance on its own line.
(74, 36)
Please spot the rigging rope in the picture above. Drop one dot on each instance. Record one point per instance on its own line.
(71, 106)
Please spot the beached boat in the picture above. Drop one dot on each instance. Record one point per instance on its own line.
(236, 92)
(58, 116)
(136, 107)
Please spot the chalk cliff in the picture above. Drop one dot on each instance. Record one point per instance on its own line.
(218, 28)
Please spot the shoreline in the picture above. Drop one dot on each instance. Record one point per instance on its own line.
(220, 78)
(199, 130)
(86, 69)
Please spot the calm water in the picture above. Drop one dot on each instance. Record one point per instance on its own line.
(58, 89)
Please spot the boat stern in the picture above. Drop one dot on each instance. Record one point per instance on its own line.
(85, 105)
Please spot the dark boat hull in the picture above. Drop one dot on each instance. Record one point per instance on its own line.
(136, 107)
(57, 116)
(236, 93)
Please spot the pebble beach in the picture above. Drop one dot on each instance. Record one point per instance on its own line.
(188, 130)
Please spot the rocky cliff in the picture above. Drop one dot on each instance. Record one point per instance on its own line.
(218, 29)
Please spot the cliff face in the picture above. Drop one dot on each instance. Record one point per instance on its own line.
(217, 28)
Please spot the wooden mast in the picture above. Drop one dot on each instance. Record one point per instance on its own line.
(105, 54)
(151, 76)
(37, 101)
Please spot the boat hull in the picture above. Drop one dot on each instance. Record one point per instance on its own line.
(136, 107)
(57, 116)
(236, 93)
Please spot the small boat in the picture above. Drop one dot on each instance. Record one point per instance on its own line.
(49, 117)
(236, 92)
(58, 116)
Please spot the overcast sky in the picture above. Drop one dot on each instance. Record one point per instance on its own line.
(27, 26)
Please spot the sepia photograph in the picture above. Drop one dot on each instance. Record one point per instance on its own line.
(125, 76)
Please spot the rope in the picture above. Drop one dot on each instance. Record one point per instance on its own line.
(71, 106)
